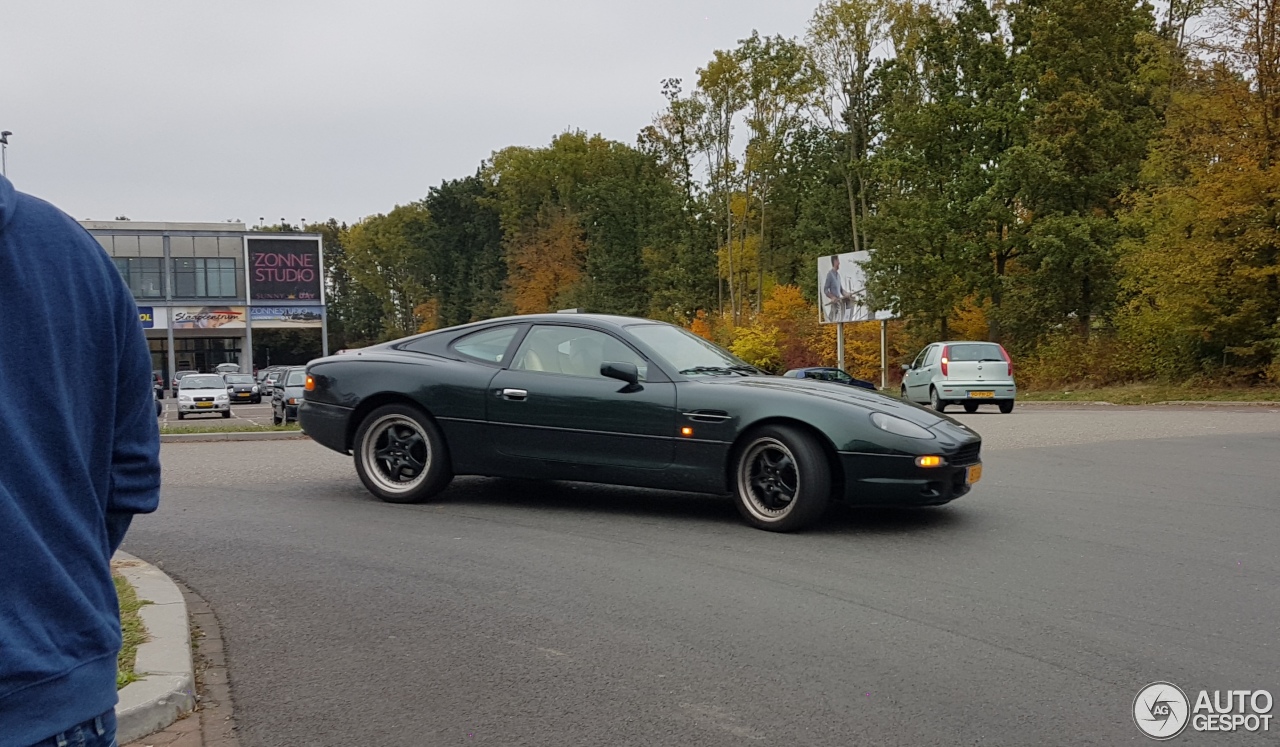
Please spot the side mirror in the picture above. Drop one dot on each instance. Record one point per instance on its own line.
(621, 371)
(906, 366)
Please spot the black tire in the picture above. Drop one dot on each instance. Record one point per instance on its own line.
(935, 401)
(226, 413)
(781, 478)
(400, 454)
(904, 393)
(182, 416)
(970, 406)
(1006, 406)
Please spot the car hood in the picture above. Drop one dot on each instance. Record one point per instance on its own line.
(201, 392)
(833, 392)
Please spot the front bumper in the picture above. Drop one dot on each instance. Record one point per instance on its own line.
(195, 407)
(882, 480)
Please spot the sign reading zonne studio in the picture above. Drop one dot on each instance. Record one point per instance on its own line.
(284, 269)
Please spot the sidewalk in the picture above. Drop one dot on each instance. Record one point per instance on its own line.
(184, 666)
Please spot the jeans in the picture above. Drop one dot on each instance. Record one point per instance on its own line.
(99, 731)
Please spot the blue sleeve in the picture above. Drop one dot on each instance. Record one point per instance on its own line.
(135, 454)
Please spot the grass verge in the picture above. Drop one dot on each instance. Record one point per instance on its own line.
(166, 429)
(1146, 394)
(135, 633)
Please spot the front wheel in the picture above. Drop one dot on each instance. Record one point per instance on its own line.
(935, 401)
(400, 455)
(782, 479)
(1006, 406)
(904, 393)
(226, 413)
(970, 406)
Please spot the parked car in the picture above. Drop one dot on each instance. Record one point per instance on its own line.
(177, 377)
(158, 393)
(269, 381)
(225, 368)
(287, 393)
(626, 401)
(822, 373)
(203, 393)
(243, 388)
(158, 382)
(963, 372)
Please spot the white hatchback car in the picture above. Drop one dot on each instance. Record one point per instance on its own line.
(962, 372)
(199, 393)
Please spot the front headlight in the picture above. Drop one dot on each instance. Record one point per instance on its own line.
(898, 426)
(255, 389)
(184, 398)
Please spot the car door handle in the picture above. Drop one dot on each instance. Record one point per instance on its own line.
(518, 395)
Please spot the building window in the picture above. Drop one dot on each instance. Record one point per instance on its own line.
(143, 275)
(204, 277)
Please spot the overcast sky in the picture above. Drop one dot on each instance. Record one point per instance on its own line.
(248, 109)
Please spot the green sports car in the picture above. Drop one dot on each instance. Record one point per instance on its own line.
(626, 401)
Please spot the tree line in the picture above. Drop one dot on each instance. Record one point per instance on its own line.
(1092, 183)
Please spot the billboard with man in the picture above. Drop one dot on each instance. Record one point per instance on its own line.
(842, 288)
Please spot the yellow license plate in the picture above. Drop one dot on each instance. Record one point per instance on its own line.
(983, 395)
(243, 394)
(204, 404)
(973, 474)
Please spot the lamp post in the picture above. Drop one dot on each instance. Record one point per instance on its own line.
(4, 147)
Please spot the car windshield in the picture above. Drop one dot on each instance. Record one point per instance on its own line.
(296, 378)
(198, 381)
(688, 353)
(239, 379)
(975, 351)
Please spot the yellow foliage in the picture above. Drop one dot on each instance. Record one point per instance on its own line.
(757, 344)
(544, 263)
(429, 313)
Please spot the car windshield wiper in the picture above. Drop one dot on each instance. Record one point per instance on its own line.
(746, 369)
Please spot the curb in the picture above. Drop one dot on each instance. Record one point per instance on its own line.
(1162, 403)
(166, 690)
(170, 438)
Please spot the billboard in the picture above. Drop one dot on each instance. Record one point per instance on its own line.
(153, 317)
(286, 317)
(284, 269)
(208, 317)
(842, 289)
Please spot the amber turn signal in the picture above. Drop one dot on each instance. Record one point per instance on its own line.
(311, 383)
(686, 431)
(929, 461)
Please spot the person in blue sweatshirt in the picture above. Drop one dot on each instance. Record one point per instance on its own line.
(79, 456)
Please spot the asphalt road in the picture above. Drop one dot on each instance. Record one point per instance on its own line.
(1104, 549)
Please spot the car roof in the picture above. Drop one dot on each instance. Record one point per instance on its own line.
(965, 342)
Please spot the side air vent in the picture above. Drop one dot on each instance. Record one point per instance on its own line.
(707, 416)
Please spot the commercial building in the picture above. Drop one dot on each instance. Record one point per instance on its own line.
(203, 288)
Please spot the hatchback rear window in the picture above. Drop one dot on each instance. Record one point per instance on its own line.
(975, 351)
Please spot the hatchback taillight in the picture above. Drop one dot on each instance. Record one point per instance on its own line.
(946, 350)
(1008, 361)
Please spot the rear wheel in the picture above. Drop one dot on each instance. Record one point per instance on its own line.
(782, 479)
(1006, 406)
(400, 454)
(935, 401)
(970, 406)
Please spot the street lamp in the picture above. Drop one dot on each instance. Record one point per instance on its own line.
(4, 147)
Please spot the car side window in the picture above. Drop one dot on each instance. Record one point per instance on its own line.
(932, 356)
(488, 345)
(572, 351)
(919, 361)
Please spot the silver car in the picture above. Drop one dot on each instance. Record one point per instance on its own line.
(200, 393)
(961, 372)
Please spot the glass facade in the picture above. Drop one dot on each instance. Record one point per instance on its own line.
(143, 275)
(205, 277)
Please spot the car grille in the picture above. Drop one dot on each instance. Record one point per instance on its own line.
(203, 399)
(967, 454)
